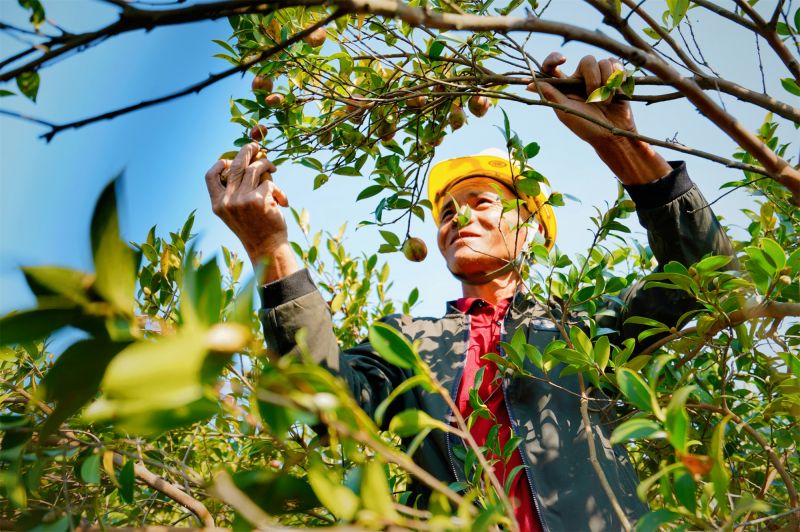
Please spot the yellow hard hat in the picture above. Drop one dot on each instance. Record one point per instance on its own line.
(447, 173)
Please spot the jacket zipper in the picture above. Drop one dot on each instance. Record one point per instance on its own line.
(454, 395)
(515, 429)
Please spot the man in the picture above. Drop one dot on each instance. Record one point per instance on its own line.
(558, 490)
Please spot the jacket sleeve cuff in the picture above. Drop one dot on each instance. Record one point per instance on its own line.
(661, 191)
(283, 290)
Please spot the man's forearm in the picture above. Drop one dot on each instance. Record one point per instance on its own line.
(274, 264)
(634, 162)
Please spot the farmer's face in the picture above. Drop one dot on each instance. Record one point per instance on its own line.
(490, 237)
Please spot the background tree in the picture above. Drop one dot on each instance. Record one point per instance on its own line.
(187, 389)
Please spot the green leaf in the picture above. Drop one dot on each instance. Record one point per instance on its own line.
(685, 489)
(615, 80)
(90, 469)
(28, 83)
(37, 11)
(791, 86)
(370, 191)
(392, 345)
(650, 32)
(636, 429)
(774, 253)
(580, 340)
(4, 93)
(390, 238)
(602, 352)
(29, 325)
(530, 187)
(320, 180)
(628, 86)
(152, 386)
(410, 422)
(713, 263)
(75, 378)
(652, 521)
(202, 290)
(339, 500)
(677, 420)
(636, 390)
(403, 387)
(375, 487)
(126, 481)
(436, 49)
(346, 170)
(277, 493)
(720, 476)
(186, 230)
(114, 261)
(531, 150)
(600, 94)
(47, 281)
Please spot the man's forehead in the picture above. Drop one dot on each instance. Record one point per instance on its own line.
(476, 185)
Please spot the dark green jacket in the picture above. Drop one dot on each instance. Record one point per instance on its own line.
(546, 416)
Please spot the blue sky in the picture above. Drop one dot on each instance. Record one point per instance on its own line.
(47, 190)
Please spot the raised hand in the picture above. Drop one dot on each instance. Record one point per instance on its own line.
(250, 205)
(633, 161)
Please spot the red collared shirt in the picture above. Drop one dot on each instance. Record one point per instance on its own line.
(484, 336)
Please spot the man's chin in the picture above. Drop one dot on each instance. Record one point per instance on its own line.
(478, 272)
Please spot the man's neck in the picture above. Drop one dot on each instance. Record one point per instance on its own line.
(498, 289)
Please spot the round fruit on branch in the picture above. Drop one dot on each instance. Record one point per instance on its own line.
(261, 83)
(316, 38)
(457, 117)
(415, 249)
(275, 100)
(417, 101)
(478, 105)
(259, 132)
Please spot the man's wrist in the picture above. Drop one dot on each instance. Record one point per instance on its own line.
(274, 261)
(633, 161)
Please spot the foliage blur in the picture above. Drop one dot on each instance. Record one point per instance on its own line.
(169, 409)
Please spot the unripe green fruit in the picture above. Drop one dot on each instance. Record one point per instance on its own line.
(457, 117)
(415, 249)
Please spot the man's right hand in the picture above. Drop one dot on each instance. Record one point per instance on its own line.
(249, 204)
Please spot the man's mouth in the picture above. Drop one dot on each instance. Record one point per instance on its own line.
(460, 235)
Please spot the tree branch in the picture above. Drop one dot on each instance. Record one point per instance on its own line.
(771, 36)
(169, 489)
(773, 458)
(197, 87)
(598, 469)
(771, 309)
(144, 19)
(777, 168)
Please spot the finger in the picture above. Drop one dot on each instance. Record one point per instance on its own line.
(550, 93)
(589, 72)
(240, 163)
(253, 173)
(271, 190)
(551, 64)
(606, 69)
(216, 190)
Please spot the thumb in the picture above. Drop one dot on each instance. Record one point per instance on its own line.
(550, 93)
